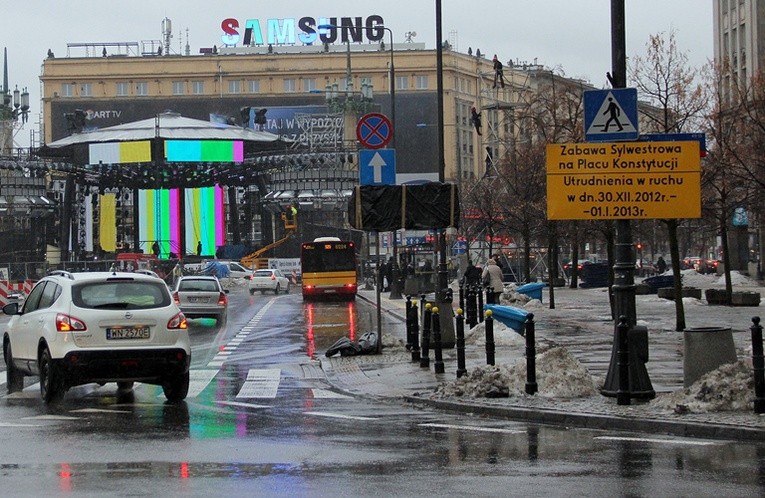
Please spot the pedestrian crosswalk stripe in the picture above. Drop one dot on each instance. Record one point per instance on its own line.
(261, 383)
(198, 381)
(239, 403)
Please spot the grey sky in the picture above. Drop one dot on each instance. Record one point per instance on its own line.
(573, 36)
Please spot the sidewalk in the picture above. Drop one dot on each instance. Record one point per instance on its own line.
(581, 323)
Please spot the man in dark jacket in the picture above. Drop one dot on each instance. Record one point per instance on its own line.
(472, 274)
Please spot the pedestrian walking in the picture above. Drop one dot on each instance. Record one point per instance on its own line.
(492, 277)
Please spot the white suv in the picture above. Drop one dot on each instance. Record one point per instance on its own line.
(77, 328)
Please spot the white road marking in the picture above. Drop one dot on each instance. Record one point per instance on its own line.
(337, 415)
(261, 383)
(51, 417)
(327, 394)
(198, 381)
(659, 441)
(473, 428)
(16, 426)
(98, 410)
(239, 403)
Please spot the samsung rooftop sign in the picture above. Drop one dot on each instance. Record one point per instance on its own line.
(306, 30)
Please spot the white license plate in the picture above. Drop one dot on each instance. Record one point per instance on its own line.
(199, 299)
(127, 333)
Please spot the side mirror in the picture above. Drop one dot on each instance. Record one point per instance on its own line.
(11, 309)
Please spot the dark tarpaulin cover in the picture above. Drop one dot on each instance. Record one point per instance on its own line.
(380, 207)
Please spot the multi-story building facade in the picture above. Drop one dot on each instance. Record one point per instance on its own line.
(313, 95)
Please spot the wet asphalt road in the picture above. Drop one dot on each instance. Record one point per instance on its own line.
(261, 420)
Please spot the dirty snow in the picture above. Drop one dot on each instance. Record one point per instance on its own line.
(559, 375)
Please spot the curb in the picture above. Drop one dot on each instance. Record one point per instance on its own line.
(598, 421)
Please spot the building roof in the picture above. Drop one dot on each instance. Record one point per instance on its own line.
(167, 125)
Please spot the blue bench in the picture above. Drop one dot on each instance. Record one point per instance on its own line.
(515, 318)
(533, 290)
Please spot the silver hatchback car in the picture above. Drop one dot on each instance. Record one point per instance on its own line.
(78, 328)
(201, 296)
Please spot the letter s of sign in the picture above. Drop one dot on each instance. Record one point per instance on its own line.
(306, 25)
(231, 36)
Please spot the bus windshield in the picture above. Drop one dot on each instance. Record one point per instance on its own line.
(328, 256)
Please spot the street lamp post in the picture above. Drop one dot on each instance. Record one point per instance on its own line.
(395, 287)
(14, 110)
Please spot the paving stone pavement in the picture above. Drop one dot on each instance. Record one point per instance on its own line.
(587, 330)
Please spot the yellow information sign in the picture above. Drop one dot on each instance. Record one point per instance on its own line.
(623, 180)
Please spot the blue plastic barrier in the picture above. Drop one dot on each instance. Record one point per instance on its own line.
(515, 318)
(533, 290)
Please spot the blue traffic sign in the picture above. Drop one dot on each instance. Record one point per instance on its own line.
(459, 247)
(377, 167)
(701, 138)
(610, 115)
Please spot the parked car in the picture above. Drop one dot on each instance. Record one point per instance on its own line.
(201, 296)
(269, 280)
(580, 264)
(78, 328)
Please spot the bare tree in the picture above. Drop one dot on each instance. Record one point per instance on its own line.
(665, 80)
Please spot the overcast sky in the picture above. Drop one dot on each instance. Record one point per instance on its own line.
(570, 35)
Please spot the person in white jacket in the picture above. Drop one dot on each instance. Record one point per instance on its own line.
(492, 277)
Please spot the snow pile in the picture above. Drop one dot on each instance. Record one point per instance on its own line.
(559, 375)
(503, 335)
(511, 296)
(728, 388)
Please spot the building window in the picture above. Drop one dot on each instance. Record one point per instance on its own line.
(67, 89)
(290, 85)
(142, 88)
(198, 87)
(421, 82)
(123, 89)
(402, 82)
(253, 86)
(179, 88)
(86, 90)
(234, 86)
(309, 84)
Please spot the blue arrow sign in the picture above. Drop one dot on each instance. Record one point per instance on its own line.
(610, 115)
(377, 167)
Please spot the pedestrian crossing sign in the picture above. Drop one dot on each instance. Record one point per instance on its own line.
(610, 115)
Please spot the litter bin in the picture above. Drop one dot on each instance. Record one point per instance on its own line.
(705, 349)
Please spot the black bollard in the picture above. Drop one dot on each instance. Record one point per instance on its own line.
(480, 304)
(462, 295)
(438, 365)
(490, 295)
(425, 354)
(472, 307)
(531, 356)
(623, 362)
(489, 324)
(415, 333)
(758, 362)
(460, 331)
(409, 340)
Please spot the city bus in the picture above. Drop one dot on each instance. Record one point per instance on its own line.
(328, 265)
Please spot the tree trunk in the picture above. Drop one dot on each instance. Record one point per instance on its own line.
(675, 252)
(574, 265)
(726, 259)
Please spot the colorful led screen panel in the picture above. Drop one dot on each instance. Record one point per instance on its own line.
(160, 219)
(120, 153)
(212, 151)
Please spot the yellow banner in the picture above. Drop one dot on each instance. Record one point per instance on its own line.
(624, 180)
(107, 228)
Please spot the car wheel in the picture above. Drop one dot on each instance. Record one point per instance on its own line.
(51, 380)
(176, 388)
(125, 385)
(14, 378)
(278, 289)
(252, 292)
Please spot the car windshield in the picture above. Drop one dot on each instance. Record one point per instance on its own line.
(120, 295)
(263, 273)
(198, 285)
